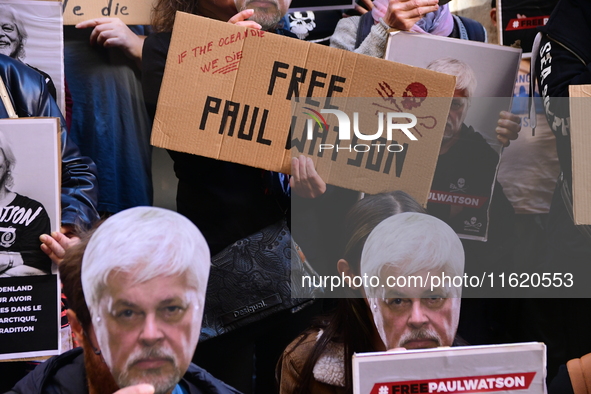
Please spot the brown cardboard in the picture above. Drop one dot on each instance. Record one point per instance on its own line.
(580, 118)
(132, 12)
(234, 64)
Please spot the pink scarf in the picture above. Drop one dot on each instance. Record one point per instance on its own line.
(439, 22)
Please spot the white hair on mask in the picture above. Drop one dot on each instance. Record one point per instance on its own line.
(465, 77)
(410, 243)
(148, 242)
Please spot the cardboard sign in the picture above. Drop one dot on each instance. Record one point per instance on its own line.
(518, 21)
(227, 94)
(580, 142)
(513, 368)
(29, 290)
(131, 12)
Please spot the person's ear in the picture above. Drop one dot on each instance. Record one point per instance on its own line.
(493, 16)
(75, 325)
(345, 270)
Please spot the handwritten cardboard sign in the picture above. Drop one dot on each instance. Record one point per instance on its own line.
(227, 93)
(132, 12)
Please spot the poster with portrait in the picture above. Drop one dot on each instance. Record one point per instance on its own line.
(29, 206)
(518, 21)
(469, 156)
(31, 31)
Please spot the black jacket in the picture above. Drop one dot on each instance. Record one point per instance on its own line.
(30, 97)
(564, 59)
(65, 374)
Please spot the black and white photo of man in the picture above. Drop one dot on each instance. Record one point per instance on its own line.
(13, 34)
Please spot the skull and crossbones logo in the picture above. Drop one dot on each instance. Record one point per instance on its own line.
(414, 95)
(472, 224)
(461, 186)
(302, 23)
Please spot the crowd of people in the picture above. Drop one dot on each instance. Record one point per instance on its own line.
(136, 280)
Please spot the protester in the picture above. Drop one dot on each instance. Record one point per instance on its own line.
(319, 360)
(562, 59)
(145, 293)
(569, 53)
(109, 119)
(368, 34)
(528, 172)
(227, 201)
(29, 96)
(416, 315)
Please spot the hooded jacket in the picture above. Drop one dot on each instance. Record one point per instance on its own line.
(564, 59)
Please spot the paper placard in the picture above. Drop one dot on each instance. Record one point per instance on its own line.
(512, 368)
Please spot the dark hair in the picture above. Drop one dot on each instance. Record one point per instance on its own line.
(351, 323)
(164, 11)
(493, 4)
(70, 270)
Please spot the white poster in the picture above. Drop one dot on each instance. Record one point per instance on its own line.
(30, 164)
(466, 170)
(513, 368)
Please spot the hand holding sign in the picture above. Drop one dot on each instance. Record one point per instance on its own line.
(508, 127)
(305, 181)
(240, 19)
(403, 14)
(113, 33)
(56, 245)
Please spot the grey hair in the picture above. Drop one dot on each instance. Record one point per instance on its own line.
(465, 77)
(9, 160)
(412, 242)
(148, 242)
(6, 10)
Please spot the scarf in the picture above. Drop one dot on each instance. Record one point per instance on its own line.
(439, 22)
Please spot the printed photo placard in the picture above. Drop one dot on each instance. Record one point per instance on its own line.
(29, 206)
(33, 35)
(469, 156)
